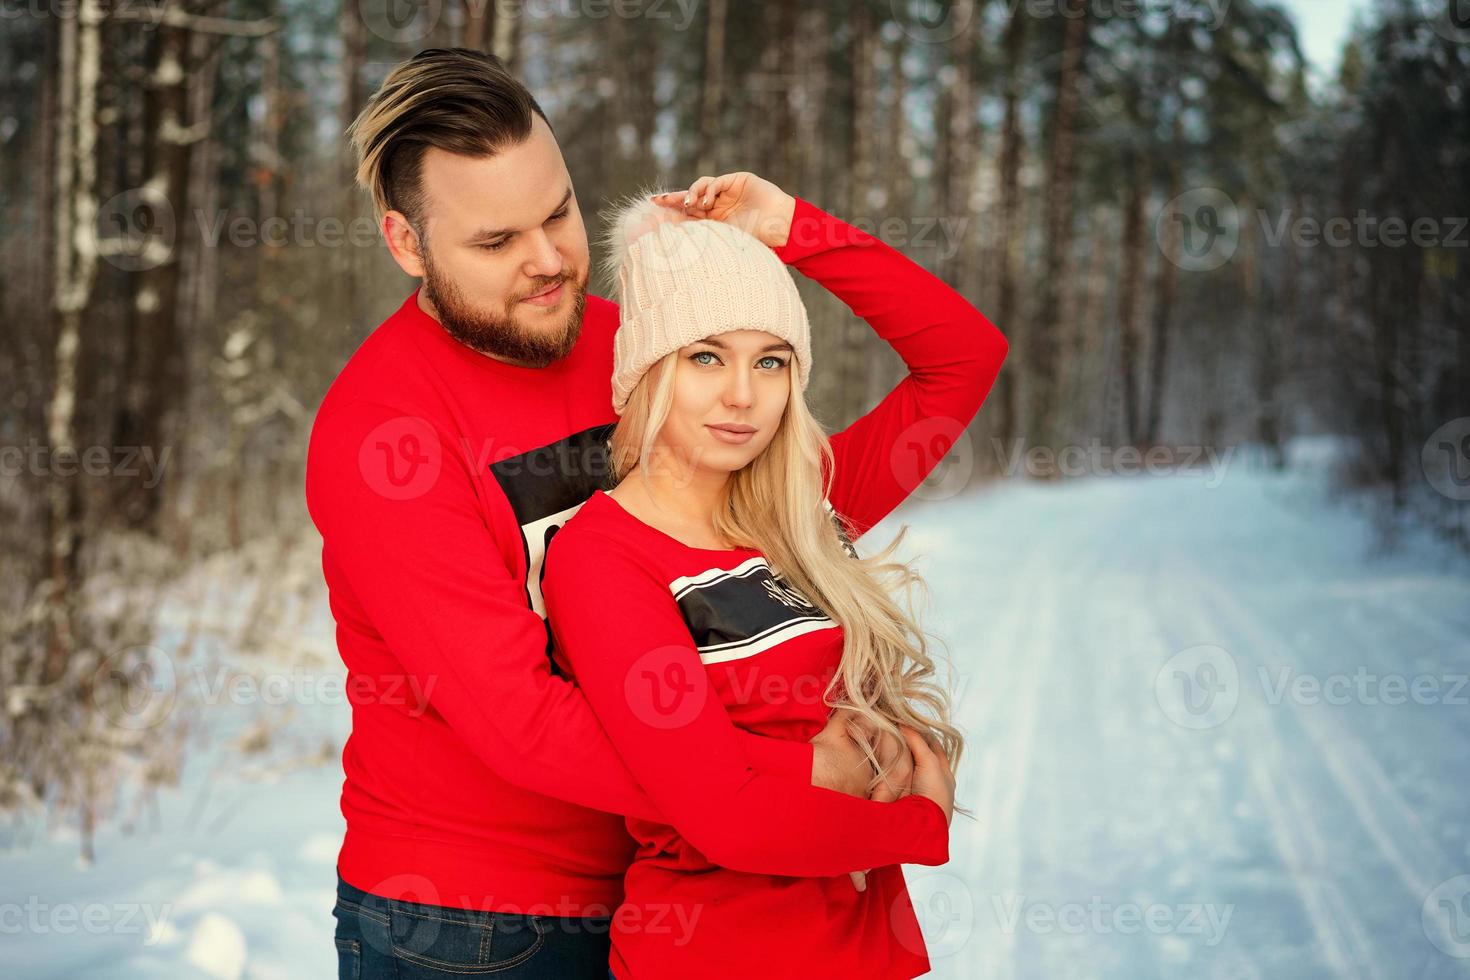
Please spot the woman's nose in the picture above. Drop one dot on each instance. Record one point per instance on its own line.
(740, 390)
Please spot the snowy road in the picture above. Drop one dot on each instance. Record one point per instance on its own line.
(1211, 736)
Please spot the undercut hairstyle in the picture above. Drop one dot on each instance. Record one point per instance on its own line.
(456, 99)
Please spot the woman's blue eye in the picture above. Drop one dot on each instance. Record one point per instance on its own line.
(695, 357)
(780, 362)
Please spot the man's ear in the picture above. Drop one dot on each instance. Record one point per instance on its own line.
(403, 243)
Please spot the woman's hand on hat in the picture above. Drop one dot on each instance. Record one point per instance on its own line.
(750, 203)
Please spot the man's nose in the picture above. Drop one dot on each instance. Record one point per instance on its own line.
(545, 258)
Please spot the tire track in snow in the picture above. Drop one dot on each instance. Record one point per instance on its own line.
(1294, 829)
(1025, 644)
(1394, 827)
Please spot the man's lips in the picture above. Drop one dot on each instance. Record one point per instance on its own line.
(549, 296)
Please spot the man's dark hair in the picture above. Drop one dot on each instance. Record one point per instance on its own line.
(457, 99)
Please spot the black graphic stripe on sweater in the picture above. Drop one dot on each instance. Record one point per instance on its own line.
(739, 612)
(545, 487)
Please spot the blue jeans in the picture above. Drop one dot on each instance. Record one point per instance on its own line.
(386, 939)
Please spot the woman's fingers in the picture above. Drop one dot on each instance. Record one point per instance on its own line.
(859, 879)
(919, 746)
(698, 197)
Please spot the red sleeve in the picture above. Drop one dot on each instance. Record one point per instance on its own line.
(620, 629)
(952, 351)
(428, 575)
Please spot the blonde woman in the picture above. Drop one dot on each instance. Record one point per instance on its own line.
(715, 587)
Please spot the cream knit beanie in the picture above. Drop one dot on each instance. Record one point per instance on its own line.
(683, 279)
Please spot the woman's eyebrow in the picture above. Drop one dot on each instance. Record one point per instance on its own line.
(712, 342)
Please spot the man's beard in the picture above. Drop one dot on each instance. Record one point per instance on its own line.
(500, 336)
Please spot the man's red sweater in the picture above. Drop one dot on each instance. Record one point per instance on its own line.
(477, 775)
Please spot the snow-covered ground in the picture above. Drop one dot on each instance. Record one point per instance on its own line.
(1213, 734)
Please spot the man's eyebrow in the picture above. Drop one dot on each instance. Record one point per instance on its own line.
(487, 233)
(711, 341)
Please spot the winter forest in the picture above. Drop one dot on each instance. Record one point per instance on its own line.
(1235, 418)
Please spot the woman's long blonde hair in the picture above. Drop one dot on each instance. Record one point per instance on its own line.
(777, 505)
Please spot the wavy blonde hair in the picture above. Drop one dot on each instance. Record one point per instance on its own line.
(777, 505)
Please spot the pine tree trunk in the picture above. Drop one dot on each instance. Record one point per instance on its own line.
(863, 169)
(1131, 286)
(1010, 234)
(712, 85)
(1163, 309)
(1044, 348)
(153, 376)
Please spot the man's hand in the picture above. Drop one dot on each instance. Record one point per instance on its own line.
(750, 203)
(839, 763)
(893, 755)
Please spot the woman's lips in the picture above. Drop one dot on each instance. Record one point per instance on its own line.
(550, 297)
(733, 436)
